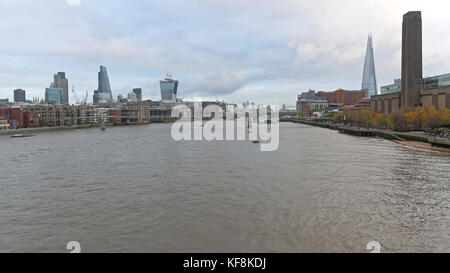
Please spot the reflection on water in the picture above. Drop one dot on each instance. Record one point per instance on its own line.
(135, 189)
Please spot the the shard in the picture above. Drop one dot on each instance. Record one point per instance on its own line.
(369, 81)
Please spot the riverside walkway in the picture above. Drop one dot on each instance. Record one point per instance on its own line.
(418, 136)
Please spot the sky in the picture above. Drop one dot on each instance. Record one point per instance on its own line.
(260, 51)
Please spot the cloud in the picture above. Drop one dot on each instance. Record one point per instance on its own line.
(74, 2)
(219, 83)
(240, 50)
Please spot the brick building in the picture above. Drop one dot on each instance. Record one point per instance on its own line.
(344, 97)
(19, 117)
(135, 112)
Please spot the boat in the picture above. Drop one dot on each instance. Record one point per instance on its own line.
(22, 135)
(255, 141)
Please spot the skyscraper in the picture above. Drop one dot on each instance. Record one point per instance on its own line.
(411, 59)
(60, 81)
(169, 89)
(54, 95)
(138, 92)
(103, 94)
(19, 95)
(369, 81)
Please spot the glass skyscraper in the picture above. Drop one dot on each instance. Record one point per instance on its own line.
(138, 92)
(169, 89)
(369, 81)
(103, 94)
(60, 81)
(54, 95)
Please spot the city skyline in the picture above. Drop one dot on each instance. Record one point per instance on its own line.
(267, 54)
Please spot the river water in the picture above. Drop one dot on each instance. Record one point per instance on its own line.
(134, 189)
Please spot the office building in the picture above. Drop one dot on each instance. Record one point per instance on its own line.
(138, 92)
(136, 112)
(369, 81)
(19, 95)
(311, 101)
(54, 95)
(60, 81)
(103, 95)
(169, 89)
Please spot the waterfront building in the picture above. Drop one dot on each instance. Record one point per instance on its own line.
(99, 116)
(369, 81)
(4, 101)
(136, 112)
(4, 125)
(316, 105)
(60, 81)
(19, 95)
(169, 89)
(414, 90)
(115, 116)
(138, 92)
(161, 114)
(54, 95)
(311, 101)
(20, 117)
(392, 88)
(47, 115)
(344, 97)
(103, 95)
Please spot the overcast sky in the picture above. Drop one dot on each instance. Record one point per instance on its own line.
(237, 50)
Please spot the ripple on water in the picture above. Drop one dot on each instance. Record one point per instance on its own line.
(135, 189)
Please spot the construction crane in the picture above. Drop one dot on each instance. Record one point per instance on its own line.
(77, 100)
(85, 97)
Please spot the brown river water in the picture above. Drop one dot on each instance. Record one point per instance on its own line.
(135, 189)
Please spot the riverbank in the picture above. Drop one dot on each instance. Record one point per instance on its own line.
(422, 145)
(416, 139)
(60, 128)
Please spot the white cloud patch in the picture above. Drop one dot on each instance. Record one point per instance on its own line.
(73, 2)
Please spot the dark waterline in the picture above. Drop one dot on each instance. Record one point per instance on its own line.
(135, 189)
